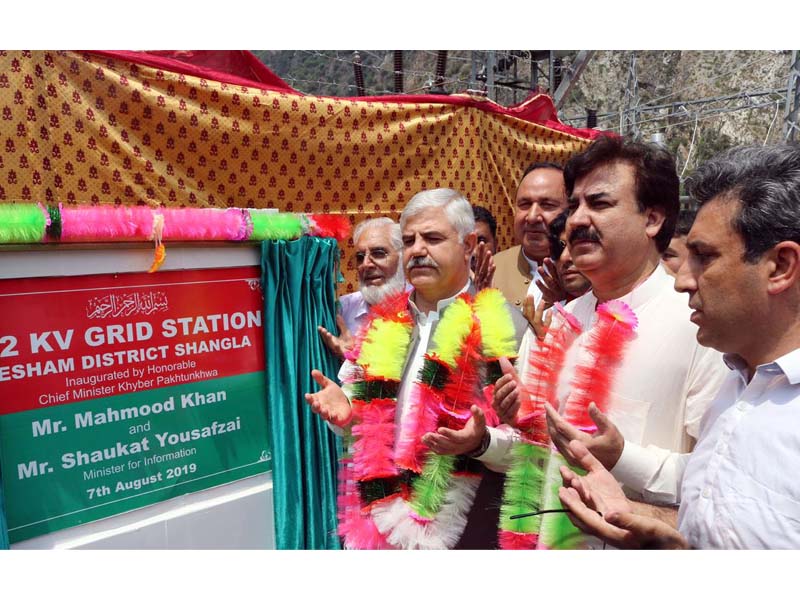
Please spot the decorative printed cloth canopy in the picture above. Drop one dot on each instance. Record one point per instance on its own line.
(218, 129)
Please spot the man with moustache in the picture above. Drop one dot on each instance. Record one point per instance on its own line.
(573, 283)
(739, 488)
(438, 233)
(563, 285)
(623, 205)
(540, 198)
(378, 246)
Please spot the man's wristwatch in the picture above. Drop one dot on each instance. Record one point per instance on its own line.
(483, 447)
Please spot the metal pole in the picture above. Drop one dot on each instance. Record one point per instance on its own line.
(473, 69)
(490, 62)
(791, 119)
(358, 73)
(441, 67)
(629, 117)
(398, 71)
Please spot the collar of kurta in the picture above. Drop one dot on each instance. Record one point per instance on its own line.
(525, 265)
(645, 291)
(441, 304)
(788, 364)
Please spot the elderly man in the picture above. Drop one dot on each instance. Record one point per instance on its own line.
(378, 246)
(623, 204)
(426, 447)
(540, 198)
(739, 488)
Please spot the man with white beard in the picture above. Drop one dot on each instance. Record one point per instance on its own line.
(378, 245)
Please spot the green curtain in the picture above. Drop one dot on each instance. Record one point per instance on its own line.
(3, 526)
(298, 279)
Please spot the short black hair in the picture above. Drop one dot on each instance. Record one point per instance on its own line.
(555, 229)
(483, 215)
(766, 182)
(656, 178)
(685, 221)
(541, 165)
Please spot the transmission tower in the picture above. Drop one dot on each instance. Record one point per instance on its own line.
(791, 120)
(505, 69)
(629, 116)
(569, 78)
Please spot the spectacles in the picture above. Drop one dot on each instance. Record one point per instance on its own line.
(377, 255)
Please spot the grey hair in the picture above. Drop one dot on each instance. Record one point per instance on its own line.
(456, 207)
(394, 230)
(766, 181)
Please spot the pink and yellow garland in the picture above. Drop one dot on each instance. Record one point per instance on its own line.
(394, 492)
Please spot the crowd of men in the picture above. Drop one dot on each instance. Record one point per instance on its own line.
(696, 444)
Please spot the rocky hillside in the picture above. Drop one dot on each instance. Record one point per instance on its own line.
(753, 84)
(729, 97)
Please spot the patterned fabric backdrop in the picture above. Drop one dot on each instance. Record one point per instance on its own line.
(218, 129)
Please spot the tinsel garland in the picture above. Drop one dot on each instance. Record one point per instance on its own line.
(413, 522)
(545, 363)
(53, 230)
(533, 478)
(27, 223)
(608, 338)
(524, 485)
(421, 500)
(427, 398)
(280, 226)
(522, 494)
(22, 223)
(356, 527)
(556, 531)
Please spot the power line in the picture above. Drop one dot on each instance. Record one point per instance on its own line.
(648, 105)
(681, 105)
(705, 82)
(427, 76)
(350, 62)
(717, 113)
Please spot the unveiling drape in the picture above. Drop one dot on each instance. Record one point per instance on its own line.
(298, 279)
(217, 129)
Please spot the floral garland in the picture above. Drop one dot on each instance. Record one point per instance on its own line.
(532, 464)
(394, 491)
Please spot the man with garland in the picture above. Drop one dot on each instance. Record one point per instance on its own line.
(623, 205)
(738, 488)
(378, 247)
(427, 449)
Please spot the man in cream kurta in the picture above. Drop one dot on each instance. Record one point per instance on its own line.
(621, 215)
(666, 379)
(739, 487)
